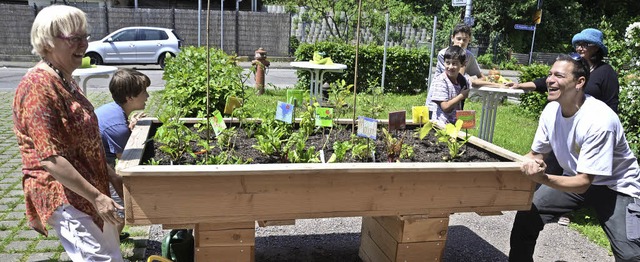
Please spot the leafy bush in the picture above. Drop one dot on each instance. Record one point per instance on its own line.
(533, 102)
(186, 80)
(487, 61)
(406, 69)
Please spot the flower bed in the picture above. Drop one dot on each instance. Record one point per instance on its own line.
(412, 199)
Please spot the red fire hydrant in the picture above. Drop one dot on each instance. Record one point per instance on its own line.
(261, 65)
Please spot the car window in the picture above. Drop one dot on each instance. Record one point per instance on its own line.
(148, 34)
(126, 35)
(176, 34)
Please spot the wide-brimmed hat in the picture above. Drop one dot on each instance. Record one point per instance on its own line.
(590, 35)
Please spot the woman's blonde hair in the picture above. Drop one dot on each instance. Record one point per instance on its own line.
(53, 21)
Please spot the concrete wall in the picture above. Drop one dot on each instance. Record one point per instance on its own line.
(254, 29)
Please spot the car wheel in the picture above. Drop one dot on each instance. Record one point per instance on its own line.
(162, 57)
(95, 58)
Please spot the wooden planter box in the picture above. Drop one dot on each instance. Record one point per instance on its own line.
(405, 206)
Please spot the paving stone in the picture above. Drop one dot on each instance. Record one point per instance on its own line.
(64, 257)
(10, 257)
(8, 180)
(39, 257)
(4, 208)
(5, 186)
(16, 193)
(7, 200)
(13, 223)
(48, 244)
(15, 216)
(17, 246)
(20, 207)
(4, 234)
(27, 234)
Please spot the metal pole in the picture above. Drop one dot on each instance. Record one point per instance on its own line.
(199, 19)
(533, 39)
(237, 25)
(433, 43)
(384, 54)
(222, 25)
(467, 11)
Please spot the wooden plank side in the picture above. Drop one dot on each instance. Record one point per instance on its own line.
(248, 198)
(380, 237)
(430, 229)
(224, 254)
(227, 237)
(369, 247)
(421, 251)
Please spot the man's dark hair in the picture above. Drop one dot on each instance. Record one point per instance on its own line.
(456, 52)
(580, 65)
(127, 82)
(462, 28)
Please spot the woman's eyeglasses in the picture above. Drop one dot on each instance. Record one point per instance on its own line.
(75, 39)
(584, 44)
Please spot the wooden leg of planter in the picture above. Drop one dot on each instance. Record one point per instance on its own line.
(393, 238)
(225, 242)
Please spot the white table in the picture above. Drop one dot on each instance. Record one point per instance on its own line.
(317, 74)
(491, 97)
(92, 72)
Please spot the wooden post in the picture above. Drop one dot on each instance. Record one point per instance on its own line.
(225, 241)
(393, 238)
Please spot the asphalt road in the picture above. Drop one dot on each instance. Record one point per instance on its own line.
(275, 77)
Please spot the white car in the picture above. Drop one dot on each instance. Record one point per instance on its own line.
(135, 45)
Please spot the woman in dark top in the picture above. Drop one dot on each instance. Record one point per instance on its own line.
(603, 80)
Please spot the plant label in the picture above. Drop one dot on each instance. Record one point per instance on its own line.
(322, 156)
(367, 127)
(468, 118)
(397, 120)
(294, 97)
(284, 112)
(324, 116)
(217, 123)
(232, 103)
(420, 114)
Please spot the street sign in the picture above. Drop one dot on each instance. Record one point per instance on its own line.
(458, 2)
(469, 20)
(524, 27)
(537, 17)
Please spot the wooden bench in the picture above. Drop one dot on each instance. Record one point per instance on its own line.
(405, 206)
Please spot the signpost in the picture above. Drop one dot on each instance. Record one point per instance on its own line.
(458, 2)
(524, 27)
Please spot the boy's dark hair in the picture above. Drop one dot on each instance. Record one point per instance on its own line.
(456, 52)
(462, 28)
(580, 65)
(127, 82)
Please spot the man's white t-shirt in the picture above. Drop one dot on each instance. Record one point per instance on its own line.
(592, 141)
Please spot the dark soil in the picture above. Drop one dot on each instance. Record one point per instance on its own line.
(426, 150)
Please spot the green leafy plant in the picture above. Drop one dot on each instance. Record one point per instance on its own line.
(340, 92)
(532, 103)
(186, 80)
(396, 149)
(340, 149)
(173, 136)
(449, 135)
(270, 138)
(362, 147)
(297, 151)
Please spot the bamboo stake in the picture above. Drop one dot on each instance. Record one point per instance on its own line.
(355, 77)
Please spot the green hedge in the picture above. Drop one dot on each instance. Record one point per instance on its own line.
(533, 102)
(406, 69)
(186, 80)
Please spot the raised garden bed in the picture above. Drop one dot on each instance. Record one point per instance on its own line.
(404, 204)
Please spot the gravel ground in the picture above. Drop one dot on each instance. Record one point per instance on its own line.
(470, 238)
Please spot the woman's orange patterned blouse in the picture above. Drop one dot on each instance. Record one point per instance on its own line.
(49, 121)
